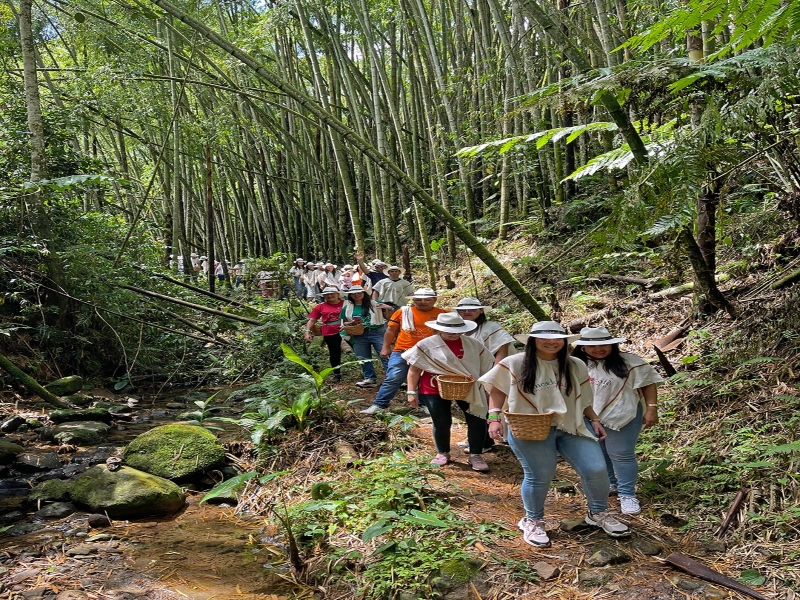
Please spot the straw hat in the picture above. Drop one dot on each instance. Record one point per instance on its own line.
(347, 268)
(548, 330)
(393, 268)
(331, 290)
(597, 336)
(203, 258)
(451, 323)
(193, 255)
(297, 260)
(423, 293)
(355, 290)
(379, 263)
(469, 303)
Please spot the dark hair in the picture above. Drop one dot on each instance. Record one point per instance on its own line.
(366, 303)
(613, 363)
(528, 375)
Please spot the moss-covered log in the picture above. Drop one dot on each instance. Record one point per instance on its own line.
(31, 384)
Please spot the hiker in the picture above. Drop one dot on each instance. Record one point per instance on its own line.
(374, 271)
(360, 310)
(328, 311)
(546, 379)
(331, 276)
(626, 399)
(406, 327)
(309, 280)
(392, 290)
(499, 342)
(296, 273)
(450, 352)
(346, 278)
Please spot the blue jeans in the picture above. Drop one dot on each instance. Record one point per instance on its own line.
(619, 450)
(396, 372)
(538, 460)
(363, 345)
(299, 288)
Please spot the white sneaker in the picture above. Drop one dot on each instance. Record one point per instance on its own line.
(629, 505)
(372, 410)
(533, 532)
(366, 383)
(605, 521)
(465, 446)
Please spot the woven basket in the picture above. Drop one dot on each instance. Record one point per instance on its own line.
(529, 427)
(316, 329)
(353, 329)
(454, 387)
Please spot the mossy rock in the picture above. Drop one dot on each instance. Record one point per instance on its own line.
(65, 386)
(80, 433)
(91, 414)
(79, 399)
(51, 490)
(175, 451)
(126, 493)
(9, 451)
(459, 571)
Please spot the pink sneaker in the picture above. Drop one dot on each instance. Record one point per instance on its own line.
(441, 459)
(477, 463)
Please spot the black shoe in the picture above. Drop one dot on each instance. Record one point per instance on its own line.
(335, 378)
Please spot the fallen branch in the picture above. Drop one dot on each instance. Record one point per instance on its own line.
(685, 288)
(698, 569)
(200, 307)
(737, 503)
(784, 281)
(31, 384)
(646, 283)
(665, 342)
(189, 324)
(576, 324)
(662, 358)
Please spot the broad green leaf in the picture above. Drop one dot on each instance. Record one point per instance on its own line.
(752, 577)
(375, 530)
(229, 486)
(422, 518)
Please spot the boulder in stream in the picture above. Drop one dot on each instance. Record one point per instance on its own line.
(126, 493)
(175, 451)
(65, 386)
(53, 490)
(89, 414)
(80, 433)
(9, 451)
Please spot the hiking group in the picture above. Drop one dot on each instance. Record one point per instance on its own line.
(594, 399)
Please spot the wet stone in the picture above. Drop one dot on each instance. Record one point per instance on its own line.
(607, 556)
(12, 516)
(175, 406)
(81, 550)
(646, 547)
(688, 585)
(564, 487)
(35, 593)
(79, 399)
(712, 593)
(713, 546)
(57, 510)
(574, 525)
(100, 537)
(29, 462)
(96, 521)
(12, 424)
(23, 529)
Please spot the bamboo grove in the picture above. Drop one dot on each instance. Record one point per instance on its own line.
(317, 127)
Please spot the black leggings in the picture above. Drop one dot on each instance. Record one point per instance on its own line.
(334, 344)
(442, 419)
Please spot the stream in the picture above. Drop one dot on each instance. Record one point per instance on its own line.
(204, 551)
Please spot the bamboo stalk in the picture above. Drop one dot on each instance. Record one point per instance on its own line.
(199, 307)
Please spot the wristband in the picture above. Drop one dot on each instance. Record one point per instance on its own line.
(653, 405)
(411, 393)
(493, 417)
(495, 410)
(594, 420)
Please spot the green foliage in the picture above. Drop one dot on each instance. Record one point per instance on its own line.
(408, 528)
(204, 413)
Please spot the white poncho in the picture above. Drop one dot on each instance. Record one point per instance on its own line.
(615, 399)
(433, 356)
(549, 396)
(493, 336)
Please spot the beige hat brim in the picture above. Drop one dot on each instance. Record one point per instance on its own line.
(591, 342)
(547, 336)
(465, 328)
(457, 308)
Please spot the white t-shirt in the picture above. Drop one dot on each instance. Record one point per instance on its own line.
(549, 394)
(615, 399)
(394, 292)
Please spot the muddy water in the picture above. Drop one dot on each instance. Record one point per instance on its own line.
(207, 552)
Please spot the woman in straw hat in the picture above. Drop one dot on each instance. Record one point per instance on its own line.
(360, 310)
(329, 311)
(626, 398)
(449, 352)
(546, 379)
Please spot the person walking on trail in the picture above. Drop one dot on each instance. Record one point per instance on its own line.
(406, 327)
(309, 280)
(360, 310)
(392, 290)
(546, 379)
(346, 278)
(375, 272)
(626, 399)
(331, 277)
(296, 273)
(490, 334)
(329, 312)
(450, 352)
(359, 278)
